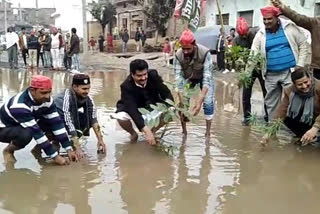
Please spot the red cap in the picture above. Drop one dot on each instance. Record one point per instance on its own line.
(242, 26)
(41, 82)
(267, 11)
(187, 37)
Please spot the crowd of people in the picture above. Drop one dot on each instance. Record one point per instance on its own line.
(55, 50)
(290, 87)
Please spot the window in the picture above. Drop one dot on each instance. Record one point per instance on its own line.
(125, 23)
(139, 23)
(225, 18)
(124, 5)
(317, 9)
(248, 15)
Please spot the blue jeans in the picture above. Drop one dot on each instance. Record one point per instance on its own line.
(208, 103)
(76, 62)
(124, 47)
(47, 59)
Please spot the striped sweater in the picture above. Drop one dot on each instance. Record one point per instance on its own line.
(22, 110)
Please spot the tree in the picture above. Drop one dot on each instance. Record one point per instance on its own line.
(159, 12)
(103, 12)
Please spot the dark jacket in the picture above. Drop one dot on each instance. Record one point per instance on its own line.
(137, 36)
(47, 43)
(125, 37)
(244, 42)
(67, 106)
(134, 97)
(101, 40)
(312, 24)
(75, 44)
(33, 42)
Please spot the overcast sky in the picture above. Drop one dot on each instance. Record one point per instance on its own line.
(32, 3)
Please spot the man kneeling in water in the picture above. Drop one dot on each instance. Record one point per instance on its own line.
(300, 107)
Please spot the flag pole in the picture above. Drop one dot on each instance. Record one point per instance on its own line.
(222, 28)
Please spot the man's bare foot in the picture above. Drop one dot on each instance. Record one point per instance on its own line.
(134, 137)
(8, 157)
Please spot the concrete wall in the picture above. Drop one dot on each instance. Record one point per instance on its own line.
(233, 7)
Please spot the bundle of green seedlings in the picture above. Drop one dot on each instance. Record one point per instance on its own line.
(238, 58)
(271, 129)
(167, 112)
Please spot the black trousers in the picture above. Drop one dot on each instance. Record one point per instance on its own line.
(220, 60)
(19, 136)
(316, 73)
(24, 55)
(246, 96)
(67, 61)
(40, 55)
(298, 128)
(101, 47)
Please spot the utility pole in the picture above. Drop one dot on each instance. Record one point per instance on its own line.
(5, 15)
(20, 13)
(37, 13)
(85, 27)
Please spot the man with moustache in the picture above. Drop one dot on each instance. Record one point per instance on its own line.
(78, 111)
(283, 46)
(32, 114)
(300, 107)
(142, 88)
(193, 65)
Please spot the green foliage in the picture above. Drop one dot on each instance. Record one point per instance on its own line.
(238, 58)
(169, 111)
(271, 129)
(168, 149)
(103, 12)
(159, 12)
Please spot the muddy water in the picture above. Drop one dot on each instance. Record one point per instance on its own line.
(228, 174)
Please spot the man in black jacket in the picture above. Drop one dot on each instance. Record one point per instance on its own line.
(141, 88)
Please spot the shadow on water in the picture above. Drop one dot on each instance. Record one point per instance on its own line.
(227, 174)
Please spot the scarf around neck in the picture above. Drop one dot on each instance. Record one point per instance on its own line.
(302, 103)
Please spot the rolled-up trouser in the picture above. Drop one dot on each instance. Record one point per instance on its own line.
(275, 82)
(208, 103)
(19, 136)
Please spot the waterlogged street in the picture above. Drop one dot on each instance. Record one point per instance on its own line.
(227, 174)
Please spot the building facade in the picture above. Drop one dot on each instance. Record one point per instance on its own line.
(130, 16)
(250, 10)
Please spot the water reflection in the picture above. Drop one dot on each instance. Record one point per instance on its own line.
(227, 174)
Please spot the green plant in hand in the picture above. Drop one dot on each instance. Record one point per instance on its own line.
(238, 57)
(169, 111)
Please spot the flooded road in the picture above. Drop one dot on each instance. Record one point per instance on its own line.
(228, 174)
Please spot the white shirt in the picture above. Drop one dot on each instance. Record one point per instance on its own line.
(55, 41)
(11, 39)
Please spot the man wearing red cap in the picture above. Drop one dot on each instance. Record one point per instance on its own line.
(29, 115)
(312, 24)
(244, 39)
(283, 46)
(193, 65)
